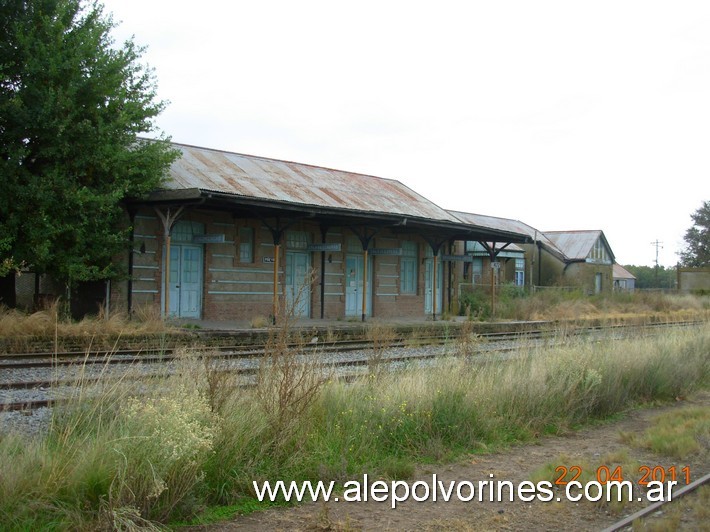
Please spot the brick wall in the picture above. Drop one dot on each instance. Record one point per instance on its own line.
(238, 290)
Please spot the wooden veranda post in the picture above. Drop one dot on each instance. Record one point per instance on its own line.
(168, 220)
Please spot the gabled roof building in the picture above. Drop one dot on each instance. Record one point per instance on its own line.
(234, 236)
(624, 280)
(551, 258)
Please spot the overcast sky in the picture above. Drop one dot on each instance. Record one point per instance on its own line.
(565, 115)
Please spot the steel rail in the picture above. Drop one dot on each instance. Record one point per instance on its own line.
(44, 360)
(628, 521)
(330, 347)
(27, 405)
(162, 354)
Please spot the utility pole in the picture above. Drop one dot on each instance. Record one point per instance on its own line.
(658, 246)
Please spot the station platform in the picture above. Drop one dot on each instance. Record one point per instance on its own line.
(244, 332)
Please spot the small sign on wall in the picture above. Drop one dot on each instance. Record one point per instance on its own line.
(335, 246)
(457, 258)
(386, 251)
(208, 239)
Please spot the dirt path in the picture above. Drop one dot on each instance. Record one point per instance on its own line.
(589, 445)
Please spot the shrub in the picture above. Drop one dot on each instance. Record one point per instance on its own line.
(476, 304)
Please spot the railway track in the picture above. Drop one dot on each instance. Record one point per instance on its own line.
(658, 506)
(46, 372)
(10, 361)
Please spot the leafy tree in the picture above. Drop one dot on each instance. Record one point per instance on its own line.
(72, 107)
(697, 239)
(652, 276)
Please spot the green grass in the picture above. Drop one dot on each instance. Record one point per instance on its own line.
(169, 455)
(678, 434)
(562, 304)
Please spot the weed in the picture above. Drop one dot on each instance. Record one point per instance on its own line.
(467, 340)
(288, 380)
(18, 330)
(382, 337)
(259, 322)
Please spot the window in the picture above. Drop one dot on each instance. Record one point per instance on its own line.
(246, 244)
(598, 253)
(408, 268)
(185, 230)
(519, 272)
(296, 240)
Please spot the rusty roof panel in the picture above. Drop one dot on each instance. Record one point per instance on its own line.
(502, 224)
(576, 245)
(622, 273)
(271, 179)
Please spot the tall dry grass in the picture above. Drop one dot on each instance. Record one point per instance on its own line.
(49, 329)
(139, 453)
(121, 454)
(554, 304)
(384, 425)
(50, 322)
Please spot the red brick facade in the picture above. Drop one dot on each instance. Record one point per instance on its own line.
(233, 289)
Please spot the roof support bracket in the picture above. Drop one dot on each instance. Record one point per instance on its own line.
(493, 254)
(435, 244)
(168, 218)
(365, 234)
(277, 230)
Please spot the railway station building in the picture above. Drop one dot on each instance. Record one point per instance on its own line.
(239, 237)
(234, 236)
(573, 259)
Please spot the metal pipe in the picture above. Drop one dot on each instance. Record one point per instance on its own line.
(131, 240)
(108, 299)
(275, 303)
(433, 291)
(493, 288)
(364, 287)
(167, 272)
(322, 273)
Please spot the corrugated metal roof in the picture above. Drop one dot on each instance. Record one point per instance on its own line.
(270, 179)
(576, 245)
(502, 224)
(568, 245)
(622, 273)
(477, 250)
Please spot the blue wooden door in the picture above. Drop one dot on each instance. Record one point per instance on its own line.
(298, 289)
(354, 276)
(185, 281)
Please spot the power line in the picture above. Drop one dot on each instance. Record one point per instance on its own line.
(658, 246)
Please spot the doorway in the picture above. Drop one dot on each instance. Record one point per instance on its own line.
(298, 286)
(185, 281)
(354, 275)
(429, 285)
